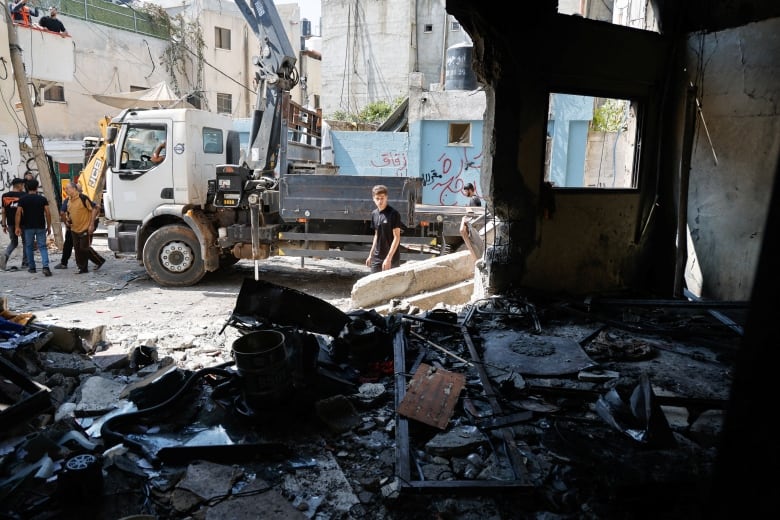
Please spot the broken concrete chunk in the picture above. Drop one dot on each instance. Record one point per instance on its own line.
(67, 364)
(98, 396)
(208, 480)
(460, 440)
(73, 339)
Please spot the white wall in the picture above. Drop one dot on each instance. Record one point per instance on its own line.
(11, 119)
(738, 73)
(367, 52)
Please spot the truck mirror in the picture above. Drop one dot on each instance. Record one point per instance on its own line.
(111, 134)
(111, 154)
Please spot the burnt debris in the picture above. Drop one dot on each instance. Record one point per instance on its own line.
(504, 408)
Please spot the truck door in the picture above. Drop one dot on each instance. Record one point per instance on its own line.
(143, 177)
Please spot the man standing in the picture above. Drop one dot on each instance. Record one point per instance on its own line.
(471, 193)
(386, 223)
(10, 201)
(82, 215)
(52, 23)
(470, 235)
(34, 218)
(67, 245)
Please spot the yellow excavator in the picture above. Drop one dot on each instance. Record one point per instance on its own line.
(92, 178)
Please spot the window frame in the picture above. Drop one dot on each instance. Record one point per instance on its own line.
(631, 142)
(59, 88)
(220, 35)
(221, 97)
(217, 133)
(459, 133)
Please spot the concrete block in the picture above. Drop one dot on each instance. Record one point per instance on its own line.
(456, 294)
(411, 279)
(74, 339)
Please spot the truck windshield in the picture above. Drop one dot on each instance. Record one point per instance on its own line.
(139, 146)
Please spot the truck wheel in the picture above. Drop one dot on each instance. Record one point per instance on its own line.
(172, 257)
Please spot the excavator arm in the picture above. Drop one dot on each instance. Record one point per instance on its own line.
(275, 75)
(92, 178)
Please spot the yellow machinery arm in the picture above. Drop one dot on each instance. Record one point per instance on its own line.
(93, 177)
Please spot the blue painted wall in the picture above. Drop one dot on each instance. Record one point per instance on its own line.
(372, 153)
(568, 127)
(423, 152)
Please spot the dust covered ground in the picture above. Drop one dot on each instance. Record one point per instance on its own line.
(132, 307)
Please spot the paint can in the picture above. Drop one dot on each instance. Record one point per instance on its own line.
(263, 363)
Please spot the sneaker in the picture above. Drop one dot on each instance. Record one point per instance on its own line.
(31, 270)
(81, 271)
(3, 261)
(98, 266)
(46, 271)
(60, 266)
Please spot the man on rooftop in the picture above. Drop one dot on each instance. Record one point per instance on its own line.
(52, 23)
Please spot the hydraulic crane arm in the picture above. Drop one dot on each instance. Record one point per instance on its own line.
(276, 74)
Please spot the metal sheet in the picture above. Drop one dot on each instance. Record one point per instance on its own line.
(532, 354)
(285, 306)
(431, 395)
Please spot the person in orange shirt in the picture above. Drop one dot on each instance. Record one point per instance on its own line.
(21, 12)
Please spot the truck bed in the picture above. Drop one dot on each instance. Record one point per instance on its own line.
(450, 215)
(343, 197)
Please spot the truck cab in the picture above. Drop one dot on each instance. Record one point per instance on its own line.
(195, 142)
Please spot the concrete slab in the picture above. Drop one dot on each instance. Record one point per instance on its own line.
(413, 278)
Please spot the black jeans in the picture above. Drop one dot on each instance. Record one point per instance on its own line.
(81, 248)
(67, 247)
(14, 243)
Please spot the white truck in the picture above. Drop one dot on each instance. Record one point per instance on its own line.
(198, 210)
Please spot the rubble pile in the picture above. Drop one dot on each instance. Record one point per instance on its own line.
(501, 409)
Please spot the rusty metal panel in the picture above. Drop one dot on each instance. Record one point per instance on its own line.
(431, 395)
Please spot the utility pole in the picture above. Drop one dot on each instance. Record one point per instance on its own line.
(44, 173)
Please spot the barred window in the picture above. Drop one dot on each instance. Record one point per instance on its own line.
(224, 103)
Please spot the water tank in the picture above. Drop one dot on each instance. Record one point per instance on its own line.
(458, 74)
(305, 27)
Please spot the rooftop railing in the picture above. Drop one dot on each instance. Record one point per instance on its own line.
(118, 16)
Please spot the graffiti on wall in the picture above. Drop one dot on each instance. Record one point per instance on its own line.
(394, 160)
(6, 173)
(8, 170)
(453, 171)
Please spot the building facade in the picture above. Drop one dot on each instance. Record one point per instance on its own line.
(108, 58)
(369, 49)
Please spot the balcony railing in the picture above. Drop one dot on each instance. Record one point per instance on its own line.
(111, 15)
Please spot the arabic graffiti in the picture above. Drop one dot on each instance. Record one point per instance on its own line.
(445, 182)
(6, 175)
(396, 160)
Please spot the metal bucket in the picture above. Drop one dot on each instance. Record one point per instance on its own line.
(262, 360)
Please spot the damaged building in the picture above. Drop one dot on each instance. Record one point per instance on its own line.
(594, 374)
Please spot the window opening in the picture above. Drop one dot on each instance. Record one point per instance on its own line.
(459, 134)
(222, 38)
(591, 142)
(224, 103)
